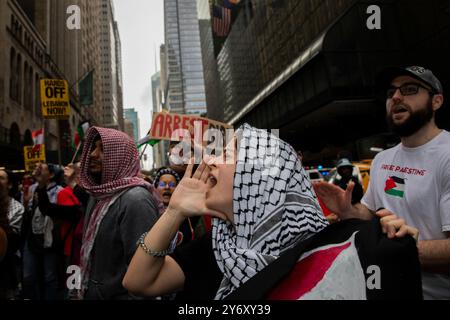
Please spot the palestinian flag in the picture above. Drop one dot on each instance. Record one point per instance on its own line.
(81, 133)
(395, 186)
(147, 140)
(348, 260)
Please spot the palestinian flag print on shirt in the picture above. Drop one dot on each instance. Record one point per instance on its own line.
(395, 186)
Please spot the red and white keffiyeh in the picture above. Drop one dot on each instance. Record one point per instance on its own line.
(120, 171)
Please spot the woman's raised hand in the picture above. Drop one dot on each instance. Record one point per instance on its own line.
(190, 195)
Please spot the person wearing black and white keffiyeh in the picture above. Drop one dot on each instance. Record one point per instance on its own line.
(271, 208)
(274, 208)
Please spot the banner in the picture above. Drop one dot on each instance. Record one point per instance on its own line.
(164, 124)
(55, 99)
(32, 157)
(349, 260)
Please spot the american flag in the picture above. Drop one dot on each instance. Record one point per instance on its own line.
(221, 20)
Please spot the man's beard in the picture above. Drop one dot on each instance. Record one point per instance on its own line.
(96, 176)
(416, 121)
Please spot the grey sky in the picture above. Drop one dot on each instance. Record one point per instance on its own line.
(141, 28)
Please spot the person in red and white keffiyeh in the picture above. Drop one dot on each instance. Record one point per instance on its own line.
(122, 207)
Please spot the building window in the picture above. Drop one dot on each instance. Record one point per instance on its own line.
(14, 135)
(27, 138)
(19, 78)
(12, 75)
(25, 78)
(37, 96)
(30, 89)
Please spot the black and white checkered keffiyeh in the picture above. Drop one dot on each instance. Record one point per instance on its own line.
(274, 207)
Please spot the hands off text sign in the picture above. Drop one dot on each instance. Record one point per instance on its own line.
(55, 99)
(32, 157)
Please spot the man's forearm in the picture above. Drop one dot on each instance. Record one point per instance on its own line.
(359, 211)
(434, 255)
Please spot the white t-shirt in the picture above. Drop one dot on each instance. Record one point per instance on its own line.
(414, 183)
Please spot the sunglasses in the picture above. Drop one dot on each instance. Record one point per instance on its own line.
(407, 89)
(163, 184)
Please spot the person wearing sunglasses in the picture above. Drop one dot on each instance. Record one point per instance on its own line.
(411, 179)
(166, 180)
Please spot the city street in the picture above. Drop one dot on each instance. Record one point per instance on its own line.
(181, 150)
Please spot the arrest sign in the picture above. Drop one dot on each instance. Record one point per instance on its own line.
(164, 125)
(55, 99)
(33, 155)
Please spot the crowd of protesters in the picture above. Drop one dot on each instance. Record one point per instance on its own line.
(201, 231)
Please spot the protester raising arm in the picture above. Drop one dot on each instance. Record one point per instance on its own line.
(149, 274)
(339, 201)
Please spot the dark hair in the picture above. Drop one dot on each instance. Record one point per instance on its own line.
(164, 170)
(57, 171)
(13, 181)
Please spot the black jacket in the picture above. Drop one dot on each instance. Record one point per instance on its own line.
(132, 214)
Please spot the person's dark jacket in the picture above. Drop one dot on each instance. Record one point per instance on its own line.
(63, 212)
(132, 214)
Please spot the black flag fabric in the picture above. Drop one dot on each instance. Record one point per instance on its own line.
(349, 260)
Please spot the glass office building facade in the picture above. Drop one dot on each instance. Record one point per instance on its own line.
(307, 67)
(185, 91)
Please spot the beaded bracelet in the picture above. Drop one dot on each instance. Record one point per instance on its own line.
(148, 251)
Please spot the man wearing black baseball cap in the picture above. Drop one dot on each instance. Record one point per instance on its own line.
(411, 179)
(413, 96)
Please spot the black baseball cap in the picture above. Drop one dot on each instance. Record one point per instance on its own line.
(422, 74)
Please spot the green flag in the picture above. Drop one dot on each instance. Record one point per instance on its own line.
(147, 140)
(85, 87)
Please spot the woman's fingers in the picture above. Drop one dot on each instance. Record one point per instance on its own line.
(199, 171)
(188, 172)
(216, 214)
(205, 174)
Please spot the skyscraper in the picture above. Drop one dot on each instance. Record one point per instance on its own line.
(308, 67)
(159, 150)
(185, 82)
(110, 68)
(132, 116)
